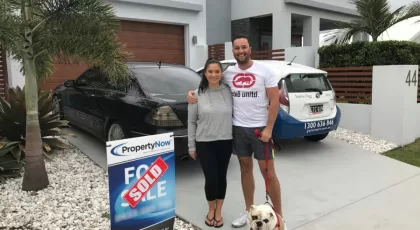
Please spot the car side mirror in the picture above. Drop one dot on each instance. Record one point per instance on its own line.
(69, 83)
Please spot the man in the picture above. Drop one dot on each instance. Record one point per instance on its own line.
(254, 87)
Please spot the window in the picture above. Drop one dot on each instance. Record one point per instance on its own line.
(134, 89)
(167, 79)
(85, 78)
(298, 83)
(94, 78)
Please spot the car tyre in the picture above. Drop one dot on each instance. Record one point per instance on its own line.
(116, 132)
(318, 137)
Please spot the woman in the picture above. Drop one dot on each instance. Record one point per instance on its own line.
(210, 136)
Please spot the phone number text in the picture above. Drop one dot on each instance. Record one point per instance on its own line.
(319, 124)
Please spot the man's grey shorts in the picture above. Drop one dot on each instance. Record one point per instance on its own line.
(245, 143)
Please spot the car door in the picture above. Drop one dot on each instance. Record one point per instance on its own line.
(75, 101)
(97, 96)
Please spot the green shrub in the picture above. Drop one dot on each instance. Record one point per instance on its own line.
(13, 129)
(369, 54)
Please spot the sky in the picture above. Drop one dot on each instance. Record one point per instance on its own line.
(398, 3)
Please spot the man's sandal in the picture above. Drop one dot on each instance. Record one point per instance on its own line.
(210, 220)
(217, 223)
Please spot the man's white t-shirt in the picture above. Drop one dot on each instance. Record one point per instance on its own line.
(248, 88)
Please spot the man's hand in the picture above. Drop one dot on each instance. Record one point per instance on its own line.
(193, 155)
(266, 134)
(191, 98)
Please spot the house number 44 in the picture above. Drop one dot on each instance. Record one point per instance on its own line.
(411, 79)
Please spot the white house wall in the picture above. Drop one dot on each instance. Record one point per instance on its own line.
(418, 121)
(340, 3)
(282, 13)
(251, 8)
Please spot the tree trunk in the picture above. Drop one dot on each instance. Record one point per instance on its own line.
(35, 177)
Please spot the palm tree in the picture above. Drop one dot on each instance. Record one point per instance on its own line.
(375, 18)
(38, 33)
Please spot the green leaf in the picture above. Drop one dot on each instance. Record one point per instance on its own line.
(7, 147)
(55, 143)
(16, 153)
(51, 132)
(46, 147)
(49, 117)
(10, 26)
(84, 32)
(54, 124)
(9, 166)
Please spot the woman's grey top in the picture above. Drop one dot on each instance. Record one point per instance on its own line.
(210, 119)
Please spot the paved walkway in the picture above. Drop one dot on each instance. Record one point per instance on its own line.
(328, 185)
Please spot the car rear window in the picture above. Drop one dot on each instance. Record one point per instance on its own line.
(167, 80)
(299, 83)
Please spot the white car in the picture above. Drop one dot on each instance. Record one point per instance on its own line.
(307, 101)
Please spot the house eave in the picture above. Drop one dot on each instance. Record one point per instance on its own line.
(323, 6)
(168, 4)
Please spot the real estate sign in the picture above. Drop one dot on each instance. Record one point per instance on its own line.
(141, 175)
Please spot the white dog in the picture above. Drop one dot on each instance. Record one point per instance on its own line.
(263, 217)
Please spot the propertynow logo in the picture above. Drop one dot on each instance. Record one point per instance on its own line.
(127, 150)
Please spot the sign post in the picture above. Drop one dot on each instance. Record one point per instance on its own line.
(141, 177)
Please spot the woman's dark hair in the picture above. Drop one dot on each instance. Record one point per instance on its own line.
(204, 84)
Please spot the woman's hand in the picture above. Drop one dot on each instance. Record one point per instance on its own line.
(193, 155)
(191, 98)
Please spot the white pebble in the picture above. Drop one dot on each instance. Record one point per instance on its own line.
(77, 197)
(363, 140)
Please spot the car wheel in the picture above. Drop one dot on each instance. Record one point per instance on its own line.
(318, 137)
(116, 132)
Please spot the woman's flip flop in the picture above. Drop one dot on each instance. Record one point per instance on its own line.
(217, 222)
(211, 221)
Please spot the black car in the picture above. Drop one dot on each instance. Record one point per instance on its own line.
(152, 102)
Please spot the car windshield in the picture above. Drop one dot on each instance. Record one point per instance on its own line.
(299, 83)
(167, 79)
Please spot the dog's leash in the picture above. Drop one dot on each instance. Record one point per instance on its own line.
(276, 146)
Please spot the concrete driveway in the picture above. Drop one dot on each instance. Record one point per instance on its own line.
(327, 185)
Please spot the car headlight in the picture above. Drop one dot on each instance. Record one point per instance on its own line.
(163, 116)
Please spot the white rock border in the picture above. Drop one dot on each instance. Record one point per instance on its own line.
(77, 197)
(363, 140)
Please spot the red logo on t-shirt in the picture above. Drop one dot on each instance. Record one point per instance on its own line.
(241, 80)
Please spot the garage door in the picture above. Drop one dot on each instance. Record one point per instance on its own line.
(3, 74)
(146, 41)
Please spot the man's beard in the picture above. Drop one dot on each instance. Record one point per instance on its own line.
(246, 59)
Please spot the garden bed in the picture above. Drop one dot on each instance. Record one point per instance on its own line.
(77, 197)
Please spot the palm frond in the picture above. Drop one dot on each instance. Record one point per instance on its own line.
(10, 27)
(404, 13)
(345, 31)
(81, 31)
(44, 64)
(374, 14)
